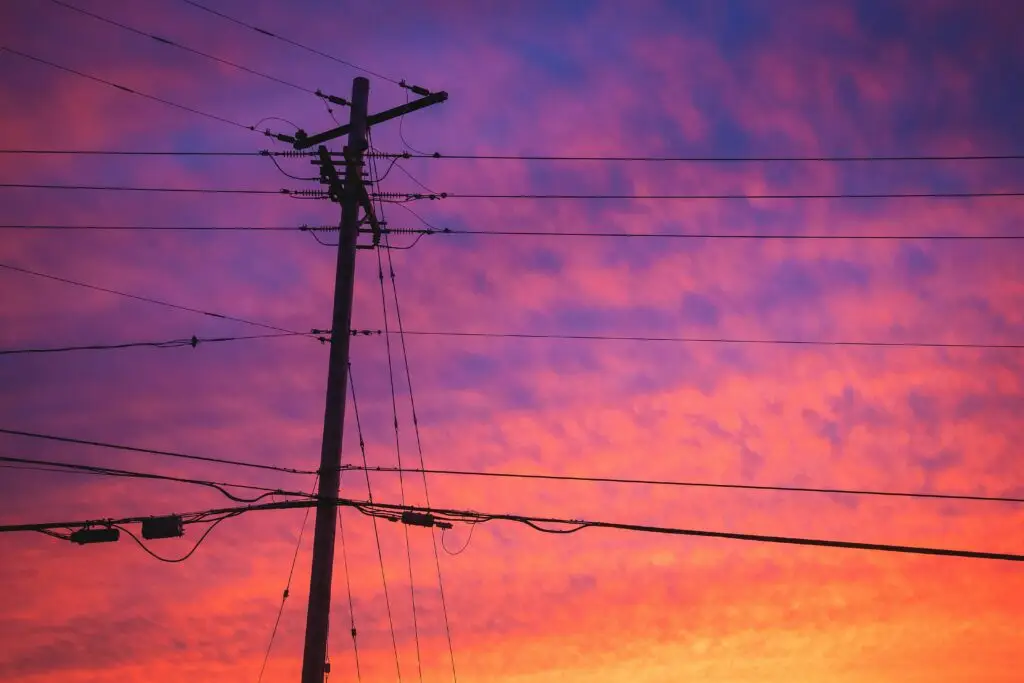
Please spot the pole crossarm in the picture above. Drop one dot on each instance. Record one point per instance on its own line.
(303, 141)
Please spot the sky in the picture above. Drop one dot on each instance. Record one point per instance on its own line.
(683, 79)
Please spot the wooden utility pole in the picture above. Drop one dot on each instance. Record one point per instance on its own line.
(314, 655)
(352, 195)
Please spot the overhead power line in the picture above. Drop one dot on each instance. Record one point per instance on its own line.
(700, 340)
(574, 525)
(153, 451)
(407, 196)
(552, 525)
(221, 486)
(170, 344)
(289, 41)
(172, 228)
(699, 484)
(318, 194)
(139, 93)
(707, 159)
(158, 302)
(706, 235)
(186, 48)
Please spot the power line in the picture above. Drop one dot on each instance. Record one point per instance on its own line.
(289, 41)
(390, 511)
(170, 228)
(419, 449)
(68, 467)
(132, 188)
(158, 302)
(170, 344)
(376, 531)
(152, 451)
(711, 235)
(701, 484)
(699, 340)
(348, 588)
(287, 586)
(708, 159)
(398, 453)
(407, 196)
(186, 48)
(143, 153)
(131, 91)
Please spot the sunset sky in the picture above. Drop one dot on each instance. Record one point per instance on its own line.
(702, 78)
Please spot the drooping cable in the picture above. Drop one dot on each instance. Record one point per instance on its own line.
(175, 560)
(376, 531)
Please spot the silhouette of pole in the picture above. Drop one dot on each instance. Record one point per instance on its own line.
(314, 655)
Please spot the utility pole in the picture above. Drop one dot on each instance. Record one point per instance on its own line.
(314, 655)
(352, 195)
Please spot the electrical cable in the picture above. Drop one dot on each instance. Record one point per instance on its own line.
(164, 228)
(398, 453)
(419, 441)
(186, 48)
(576, 525)
(289, 41)
(290, 175)
(126, 89)
(376, 531)
(465, 545)
(348, 589)
(174, 560)
(115, 472)
(158, 302)
(701, 340)
(406, 196)
(714, 159)
(170, 344)
(288, 585)
(151, 451)
(392, 511)
(131, 188)
(143, 153)
(701, 484)
(718, 236)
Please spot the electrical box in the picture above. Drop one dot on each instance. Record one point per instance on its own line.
(163, 527)
(95, 535)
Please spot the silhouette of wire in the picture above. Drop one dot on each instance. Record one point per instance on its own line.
(138, 153)
(398, 454)
(131, 188)
(700, 484)
(152, 451)
(718, 236)
(58, 466)
(287, 586)
(158, 302)
(542, 524)
(170, 344)
(159, 228)
(376, 531)
(419, 449)
(702, 340)
(186, 48)
(465, 545)
(131, 91)
(405, 196)
(290, 175)
(184, 557)
(716, 159)
(348, 590)
(289, 41)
